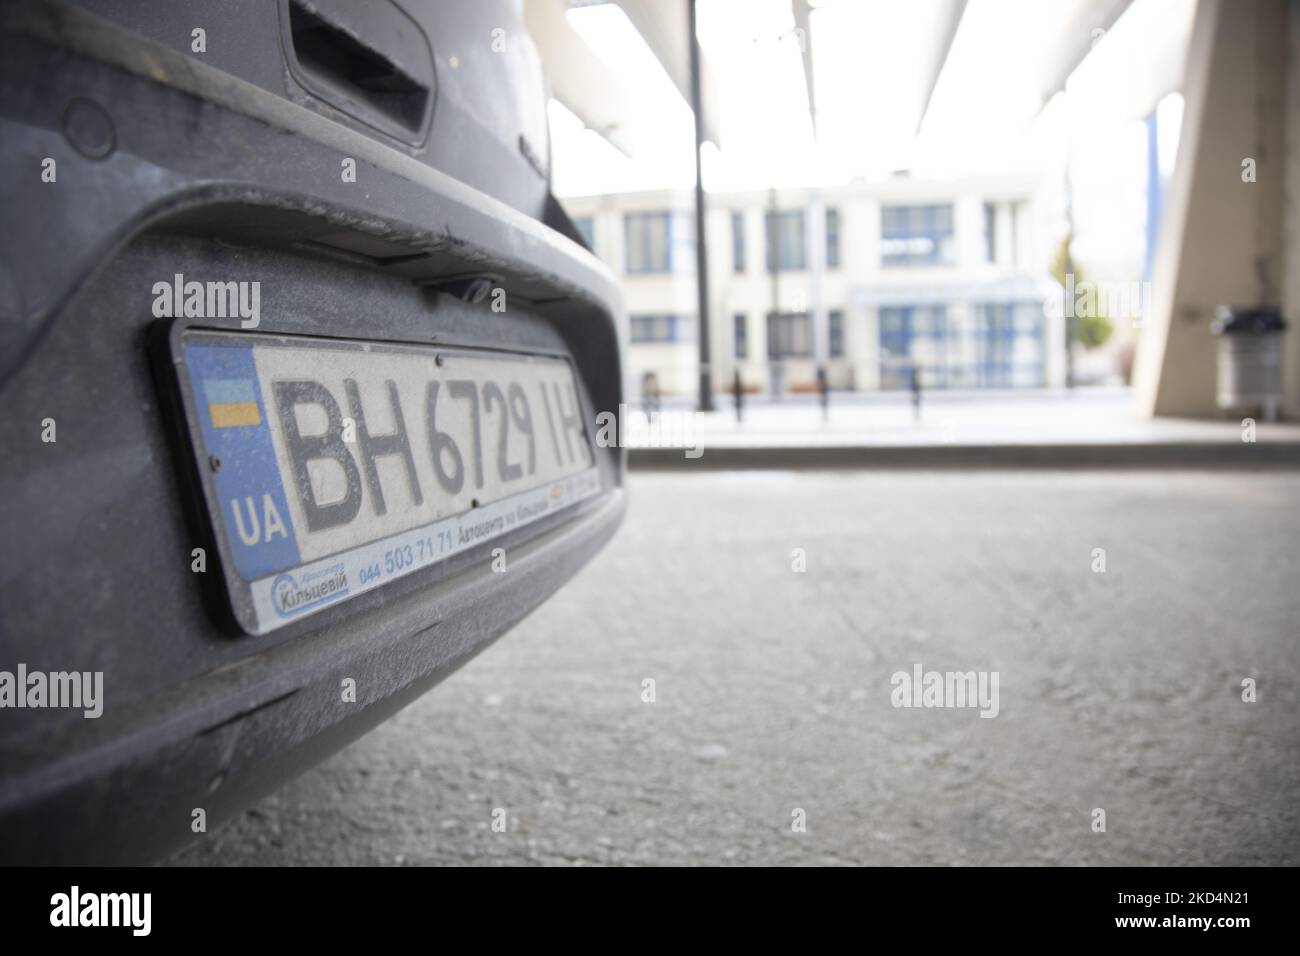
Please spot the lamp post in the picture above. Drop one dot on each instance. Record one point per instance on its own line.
(701, 250)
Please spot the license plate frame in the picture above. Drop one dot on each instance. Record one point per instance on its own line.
(329, 580)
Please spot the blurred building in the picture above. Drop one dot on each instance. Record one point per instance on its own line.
(868, 279)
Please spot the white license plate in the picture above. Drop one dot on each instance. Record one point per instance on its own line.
(332, 467)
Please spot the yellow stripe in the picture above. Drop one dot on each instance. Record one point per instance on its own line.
(230, 414)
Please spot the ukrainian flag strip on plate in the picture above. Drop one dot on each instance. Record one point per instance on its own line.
(335, 466)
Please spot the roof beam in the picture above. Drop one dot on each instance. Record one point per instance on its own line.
(946, 32)
(802, 10)
(1078, 40)
(663, 26)
(578, 78)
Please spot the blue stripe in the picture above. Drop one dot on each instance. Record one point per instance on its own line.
(248, 481)
(230, 391)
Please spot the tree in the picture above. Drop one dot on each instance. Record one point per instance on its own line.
(1094, 329)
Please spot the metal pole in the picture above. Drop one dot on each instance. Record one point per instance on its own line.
(772, 235)
(1071, 319)
(701, 250)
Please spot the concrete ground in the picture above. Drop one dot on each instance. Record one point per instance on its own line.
(1118, 690)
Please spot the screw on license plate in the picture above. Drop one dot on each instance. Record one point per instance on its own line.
(214, 462)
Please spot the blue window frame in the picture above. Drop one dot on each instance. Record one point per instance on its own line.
(832, 238)
(915, 337)
(657, 328)
(916, 235)
(786, 246)
(740, 335)
(586, 227)
(658, 242)
(1009, 345)
(835, 333)
(737, 241)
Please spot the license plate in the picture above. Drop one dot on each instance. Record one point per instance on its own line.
(332, 467)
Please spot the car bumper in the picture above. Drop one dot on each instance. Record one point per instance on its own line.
(208, 176)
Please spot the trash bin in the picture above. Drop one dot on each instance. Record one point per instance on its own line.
(1250, 358)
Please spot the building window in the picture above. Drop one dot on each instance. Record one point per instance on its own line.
(1009, 345)
(737, 242)
(741, 335)
(916, 235)
(658, 242)
(648, 241)
(657, 328)
(586, 227)
(786, 249)
(788, 335)
(832, 238)
(916, 338)
(835, 330)
(990, 232)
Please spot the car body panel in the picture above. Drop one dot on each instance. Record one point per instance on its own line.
(215, 178)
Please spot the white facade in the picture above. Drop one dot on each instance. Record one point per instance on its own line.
(967, 320)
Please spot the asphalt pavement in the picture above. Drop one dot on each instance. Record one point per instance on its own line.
(774, 691)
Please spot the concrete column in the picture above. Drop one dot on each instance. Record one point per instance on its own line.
(1220, 241)
(1054, 349)
(968, 229)
(860, 243)
(718, 226)
(1291, 216)
(866, 365)
(815, 241)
